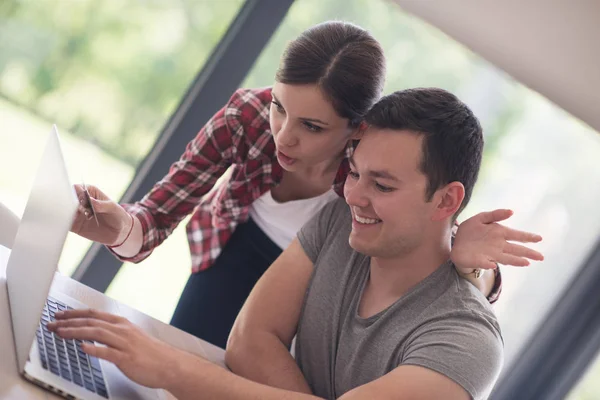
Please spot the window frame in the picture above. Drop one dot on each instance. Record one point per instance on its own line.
(225, 69)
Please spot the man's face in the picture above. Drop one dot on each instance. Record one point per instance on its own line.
(386, 194)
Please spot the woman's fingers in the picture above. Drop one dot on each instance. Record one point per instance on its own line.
(495, 216)
(521, 236)
(522, 251)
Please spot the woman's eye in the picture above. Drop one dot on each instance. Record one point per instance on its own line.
(278, 106)
(353, 175)
(382, 188)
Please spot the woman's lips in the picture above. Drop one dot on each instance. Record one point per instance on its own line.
(285, 158)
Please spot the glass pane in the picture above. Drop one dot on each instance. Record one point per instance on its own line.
(537, 156)
(589, 386)
(109, 74)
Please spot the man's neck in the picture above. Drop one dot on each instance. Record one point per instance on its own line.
(393, 277)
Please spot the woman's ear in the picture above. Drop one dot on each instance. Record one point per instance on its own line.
(360, 131)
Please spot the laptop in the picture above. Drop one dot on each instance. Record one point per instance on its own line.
(43, 357)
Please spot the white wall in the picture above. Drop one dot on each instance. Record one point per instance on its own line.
(552, 46)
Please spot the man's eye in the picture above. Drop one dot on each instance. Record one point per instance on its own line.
(312, 128)
(382, 188)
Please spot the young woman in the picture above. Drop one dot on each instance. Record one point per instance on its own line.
(285, 150)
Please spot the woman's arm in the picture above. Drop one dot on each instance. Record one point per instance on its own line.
(205, 160)
(481, 244)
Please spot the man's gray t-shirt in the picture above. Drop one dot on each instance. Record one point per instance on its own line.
(444, 323)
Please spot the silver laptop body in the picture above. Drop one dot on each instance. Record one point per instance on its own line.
(30, 270)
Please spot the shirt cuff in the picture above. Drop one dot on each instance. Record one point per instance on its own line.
(497, 289)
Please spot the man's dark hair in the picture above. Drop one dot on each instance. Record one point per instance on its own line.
(453, 138)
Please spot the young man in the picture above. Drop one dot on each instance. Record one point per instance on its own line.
(367, 287)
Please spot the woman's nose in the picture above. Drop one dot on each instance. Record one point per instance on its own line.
(286, 137)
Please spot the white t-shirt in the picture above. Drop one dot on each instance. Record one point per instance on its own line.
(282, 221)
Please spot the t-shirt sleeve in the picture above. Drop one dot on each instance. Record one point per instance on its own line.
(467, 350)
(314, 233)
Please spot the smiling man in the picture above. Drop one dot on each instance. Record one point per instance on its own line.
(367, 287)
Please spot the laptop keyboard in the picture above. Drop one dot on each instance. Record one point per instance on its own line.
(65, 358)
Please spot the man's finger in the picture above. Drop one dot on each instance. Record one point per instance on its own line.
(89, 313)
(106, 353)
(495, 216)
(522, 251)
(86, 322)
(95, 334)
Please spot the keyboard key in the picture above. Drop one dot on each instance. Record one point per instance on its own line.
(54, 369)
(89, 385)
(103, 393)
(65, 374)
(95, 363)
(100, 385)
(77, 380)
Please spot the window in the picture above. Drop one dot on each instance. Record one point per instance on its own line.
(589, 386)
(109, 74)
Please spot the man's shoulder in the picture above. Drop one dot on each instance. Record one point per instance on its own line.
(464, 302)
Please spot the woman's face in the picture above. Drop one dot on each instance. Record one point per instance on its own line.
(306, 128)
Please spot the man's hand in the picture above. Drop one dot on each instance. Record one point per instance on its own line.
(142, 359)
(481, 243)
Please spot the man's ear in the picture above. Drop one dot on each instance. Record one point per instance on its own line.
(447, 201)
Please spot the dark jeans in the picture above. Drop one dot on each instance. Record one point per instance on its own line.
(212, 299)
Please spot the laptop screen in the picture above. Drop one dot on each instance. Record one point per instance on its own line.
(40, 238)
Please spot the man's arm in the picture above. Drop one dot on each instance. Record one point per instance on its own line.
(153, 363)
(200, 378)
(409, 382)
(258, 347)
